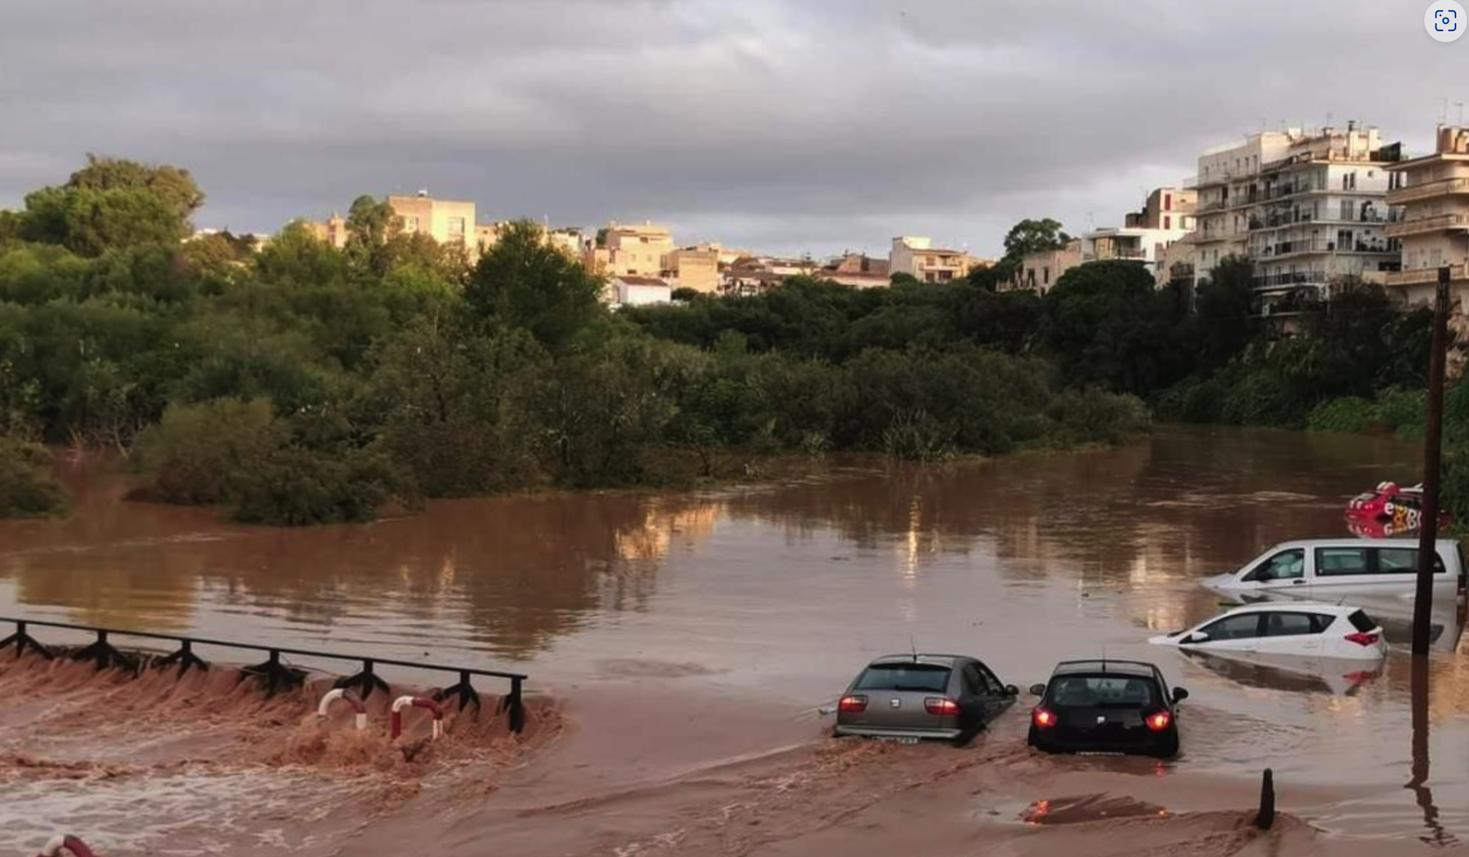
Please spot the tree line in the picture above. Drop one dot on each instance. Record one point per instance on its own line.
(298, 383)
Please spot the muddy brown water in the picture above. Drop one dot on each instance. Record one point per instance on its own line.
(691, 638)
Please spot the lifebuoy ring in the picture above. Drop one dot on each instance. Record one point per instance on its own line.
(403, 702)
(347, 696)
(65, 842)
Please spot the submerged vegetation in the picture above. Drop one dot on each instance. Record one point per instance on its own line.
(298, 383)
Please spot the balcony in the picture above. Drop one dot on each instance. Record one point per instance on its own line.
(1419, 225)
(1427, 190)
(1417, 276)
(1291, 280)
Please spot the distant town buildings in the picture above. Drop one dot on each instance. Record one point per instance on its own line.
(632, 290)
(1433, 192)
(446, 221)
(694, 268)
(915, 255)
(1306, 209)
(1040, 271)
(1167, 216)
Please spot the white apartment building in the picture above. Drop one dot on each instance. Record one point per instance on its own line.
(1226, 190)
(1321, 211)
(1434, 227)
(1307, 209)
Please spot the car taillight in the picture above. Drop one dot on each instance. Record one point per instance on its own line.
(1043, 718)
(1362, 639)
(852, 705)
(1158, 720)
(940, 706)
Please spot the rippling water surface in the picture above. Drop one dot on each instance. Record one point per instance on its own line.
(775, 595)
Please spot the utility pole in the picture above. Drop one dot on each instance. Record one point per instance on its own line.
(1432, 449)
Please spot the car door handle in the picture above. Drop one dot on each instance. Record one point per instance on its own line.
(1297, 582)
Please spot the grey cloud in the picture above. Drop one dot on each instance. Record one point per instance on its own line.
(802, 125)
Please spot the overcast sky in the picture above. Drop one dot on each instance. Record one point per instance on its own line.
(778, 125)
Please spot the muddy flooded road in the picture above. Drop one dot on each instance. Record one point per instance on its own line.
(687, 641)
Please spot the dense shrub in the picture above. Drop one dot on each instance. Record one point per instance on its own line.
(27, 487)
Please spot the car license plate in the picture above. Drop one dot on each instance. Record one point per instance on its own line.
(899, 739)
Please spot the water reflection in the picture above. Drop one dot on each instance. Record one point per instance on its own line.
(1436, 834)
(1293, 674)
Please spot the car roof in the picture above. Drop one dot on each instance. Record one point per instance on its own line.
(929, 659)
(1108, 665)
(1293, 607)
(1352, 541)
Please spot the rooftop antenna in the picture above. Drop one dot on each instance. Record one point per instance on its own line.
(913, 647)
(1460, 105)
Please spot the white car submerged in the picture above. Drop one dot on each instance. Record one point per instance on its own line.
(1303, 628)
(1339, 569)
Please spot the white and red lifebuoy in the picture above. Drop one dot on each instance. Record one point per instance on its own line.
(65, 843)
(403, 702)
(347, 696)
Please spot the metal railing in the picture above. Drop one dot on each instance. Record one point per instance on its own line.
(271, 673)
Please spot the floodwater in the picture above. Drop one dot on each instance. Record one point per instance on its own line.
(690, 638)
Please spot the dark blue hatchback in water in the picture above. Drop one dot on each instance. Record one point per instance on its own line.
(1106, 706)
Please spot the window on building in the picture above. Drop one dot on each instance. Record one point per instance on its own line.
(1167, 202)
(1166, 221)
(456, 226)
(410, 224)
(1046, 275)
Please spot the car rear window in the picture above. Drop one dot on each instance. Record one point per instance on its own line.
(1361, 621)
(1103, 691)
(925, 677)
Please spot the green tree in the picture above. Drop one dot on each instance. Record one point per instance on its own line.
(173, 186)
(523, 282)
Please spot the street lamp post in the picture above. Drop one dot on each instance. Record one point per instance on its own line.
(1432, 454)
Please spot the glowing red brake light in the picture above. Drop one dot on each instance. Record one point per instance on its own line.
(1158, 720)
(940, 706)
(1362, 639)
(852, 705)
(1043, 718)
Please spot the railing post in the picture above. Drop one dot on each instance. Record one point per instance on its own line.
(517, 706)
(184, 657)
(367, 680)
(22, 641)
(464, 690)
(105, 655)
(274, 674)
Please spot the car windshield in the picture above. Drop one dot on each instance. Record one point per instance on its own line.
(926, 677)
(1096, 691)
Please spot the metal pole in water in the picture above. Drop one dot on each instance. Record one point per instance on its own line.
(1266, 816)
(1432, 454)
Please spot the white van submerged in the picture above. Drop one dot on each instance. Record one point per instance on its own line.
(1332, 569)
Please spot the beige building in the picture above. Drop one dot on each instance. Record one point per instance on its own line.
(1434, 227)
(634, 250)
(1040, 271)
(333, 230)
(446, 221)
(694, 268)
(916, 255)
(1166, 208)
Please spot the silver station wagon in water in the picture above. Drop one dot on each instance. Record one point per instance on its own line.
(1335, 569)
(915, 696)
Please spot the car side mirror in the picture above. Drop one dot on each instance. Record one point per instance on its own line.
(1037, 690)
(1012, 690)
(1197, 637)
(1180, 694)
